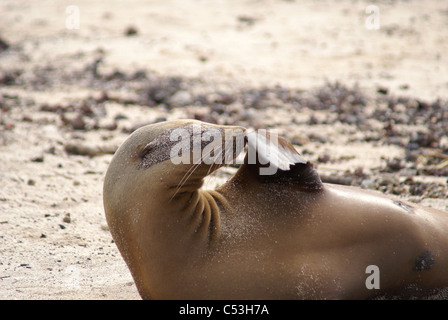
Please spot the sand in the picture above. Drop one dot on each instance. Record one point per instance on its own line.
(69, 96)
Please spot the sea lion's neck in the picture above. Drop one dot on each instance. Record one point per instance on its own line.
(202, 214)
(181, 200)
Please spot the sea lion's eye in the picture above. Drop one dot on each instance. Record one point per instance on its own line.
(148, 148)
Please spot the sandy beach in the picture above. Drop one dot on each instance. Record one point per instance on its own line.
(365, 100)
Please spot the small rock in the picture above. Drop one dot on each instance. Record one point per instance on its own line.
(27, 118)
(388, 180)
(85, 150)
(298, 139)
(316, 137)
(78, 123)
(160, 119)
(67, 218)
(9, 77)
(3, 45)
(51, 150)
(131, 31)
(313, 120)
(359, 172)
(181, 98)
(203, 58)
(120, 117)
(368, 184)
(324, 158)
(395, 164)
(111, 126)
(418, 189)
(38, 159)
(343, 180)
(246, 20)
(382, 90)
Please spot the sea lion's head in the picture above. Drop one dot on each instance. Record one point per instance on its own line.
(153, 151)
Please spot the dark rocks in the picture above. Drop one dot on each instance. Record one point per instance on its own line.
(3, 45)
(162, 89)
(131, 31)
(416, 125)
(10, 77)
(337, 97)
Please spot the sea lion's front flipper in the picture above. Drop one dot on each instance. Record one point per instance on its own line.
(278, 161)
(273, 149)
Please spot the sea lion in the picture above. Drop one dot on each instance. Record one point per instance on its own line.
(280, 236)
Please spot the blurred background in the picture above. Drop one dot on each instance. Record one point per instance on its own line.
(400, 45)
(359, 87)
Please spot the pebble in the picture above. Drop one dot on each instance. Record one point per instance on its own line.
(299, 140)
(368, 184)
(387, 180)
(131, 31)
(181, 98)
(3, 45)
(67, 218)
(38, 159)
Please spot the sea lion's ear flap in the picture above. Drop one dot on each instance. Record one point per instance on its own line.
(272, 149)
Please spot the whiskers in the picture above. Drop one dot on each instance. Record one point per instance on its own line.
(186, 176)
(221, 157)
